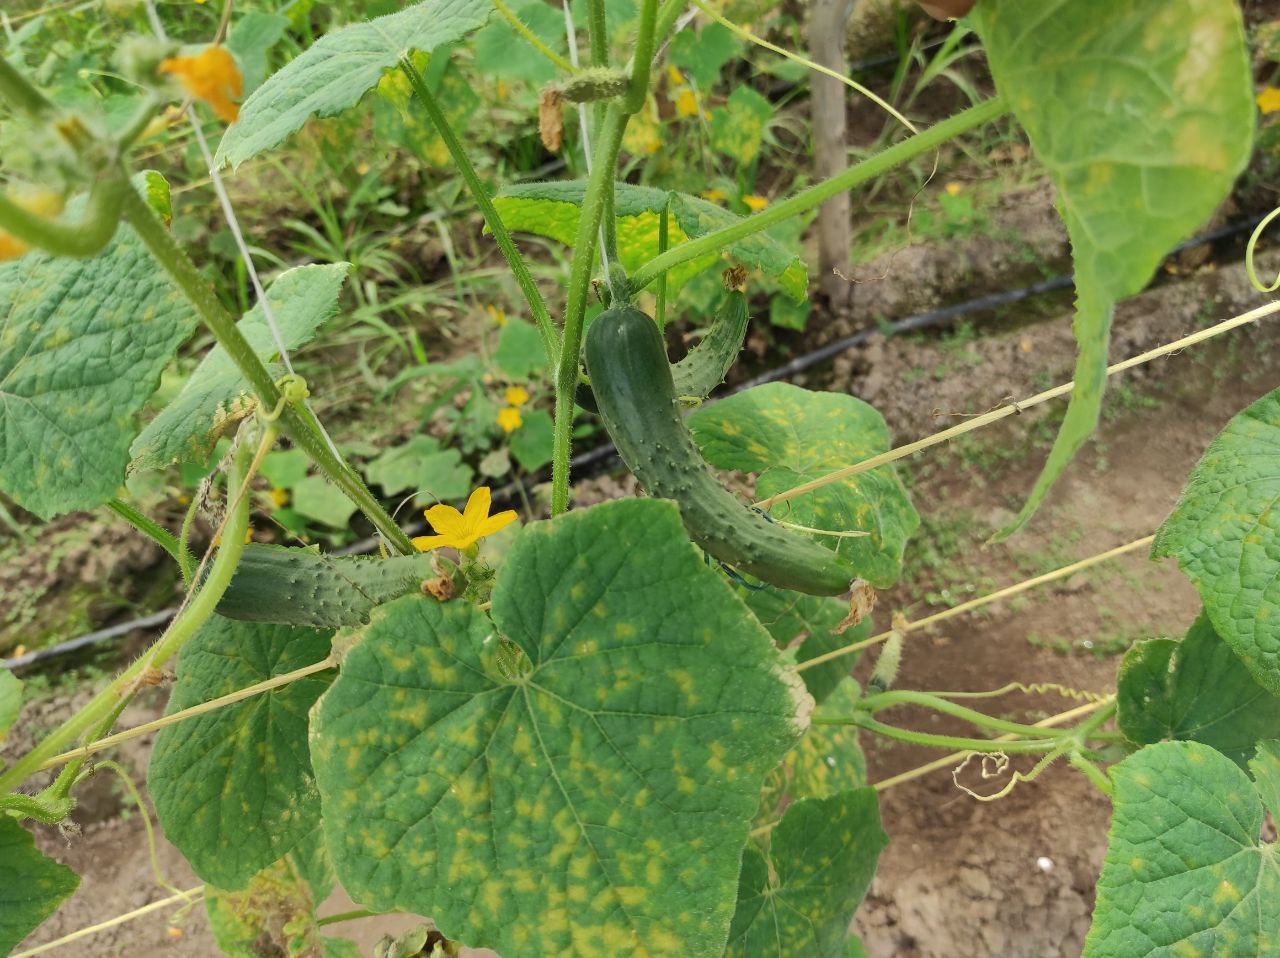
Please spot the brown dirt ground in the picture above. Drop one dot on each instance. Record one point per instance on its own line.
(960, 877)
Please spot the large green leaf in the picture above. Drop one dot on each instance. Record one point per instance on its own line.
(1224, 534)
(339, 68)
(234, 787)
(1196, 689)
(1142, 112)
(799, 902)
(1186, 873)
(216, 395)
(33, 886)
(791, 435)
(575, 776)
(82, 346)
(422, 466)
(553, 208)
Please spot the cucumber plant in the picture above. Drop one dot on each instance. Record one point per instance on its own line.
(604, 742)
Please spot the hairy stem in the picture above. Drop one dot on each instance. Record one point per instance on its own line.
(584, 253)
(157, 533)
(532, 38)
(642, 59)
(550, 341)
(298, 428)
(805, 200)
(188, 621)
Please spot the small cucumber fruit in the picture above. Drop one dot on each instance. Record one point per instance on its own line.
(285, 586)
(706, 365)
(636, 394)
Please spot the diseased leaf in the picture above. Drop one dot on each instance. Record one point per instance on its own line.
(1186, 873)
(827, 759)
(82, 346)
(33, 886)
(217, 395)
(272, 917)
(737, 128)
(1196, 689)
(575, 776)
(423, 466)
(790, 435)
(798, 902)
(339, 68)
(10, 700)
(552, 209)
(234, 787)
(1142, 112)
(1223, 532)
(810, 619)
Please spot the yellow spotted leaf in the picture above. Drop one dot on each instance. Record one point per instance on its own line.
(791, 435)
(1186, 873)
(575, 776)
(798, 900)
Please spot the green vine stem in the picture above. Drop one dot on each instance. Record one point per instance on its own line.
(550, 341)
(15, 88)
(584, 253)
(805, 200)
(642, 58)
(84, 238)
(885, 700)
(297, 427)
(188, 621)
(1091, 772)
(158, 534)
(953, 742)
(668, 14)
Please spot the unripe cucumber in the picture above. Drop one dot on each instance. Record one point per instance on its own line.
(706, 365)
(636, 394)
(286, 586)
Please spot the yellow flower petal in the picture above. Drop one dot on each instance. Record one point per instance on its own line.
(446, 520)
(427, 543)
(1269, 99)
(495, 522)
(517, 396)
(953, 188)
(509, 419)
(211, 75)
(686, 103)
(674, 77)
(477, 508)
(755, 203)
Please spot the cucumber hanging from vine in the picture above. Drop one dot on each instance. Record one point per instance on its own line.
(636, 394)
(707, 363)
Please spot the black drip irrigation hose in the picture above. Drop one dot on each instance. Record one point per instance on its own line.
(606, 451)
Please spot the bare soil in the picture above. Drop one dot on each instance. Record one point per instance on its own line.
(1013, 878)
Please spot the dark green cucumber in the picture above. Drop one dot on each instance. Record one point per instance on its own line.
(634, 389)
(286, 586)
(706, 365)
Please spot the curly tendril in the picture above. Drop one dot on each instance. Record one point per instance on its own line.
(1248, 254)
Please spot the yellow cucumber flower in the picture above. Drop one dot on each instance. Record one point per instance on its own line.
(509, 419)
(755, 203)
(462, 529)
(1268, 99)
(211, 75)
(517, 395)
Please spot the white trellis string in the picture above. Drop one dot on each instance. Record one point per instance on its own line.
(571, 34)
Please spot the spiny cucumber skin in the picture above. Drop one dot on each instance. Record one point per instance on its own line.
(284, 586)
(636, 394)
(710, 360)
(706, 365)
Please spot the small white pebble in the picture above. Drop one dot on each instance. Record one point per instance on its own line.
(831, 761)
(1087, 643)
(1045, 864)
